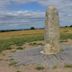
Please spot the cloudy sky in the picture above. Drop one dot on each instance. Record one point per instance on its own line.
(16, 14)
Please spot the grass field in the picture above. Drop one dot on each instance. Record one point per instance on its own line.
(66, 33)
(21, 37)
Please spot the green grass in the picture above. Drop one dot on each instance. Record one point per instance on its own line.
(40, 67)
(13, 63)
(35, 43)
(19, 48)
(66, 33)
(6, 43)
(65, 36)
(68, 66)
(54, 67)
(18, 71)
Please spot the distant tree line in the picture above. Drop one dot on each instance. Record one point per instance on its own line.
(8, 30)
(69, 26)
(31, 28)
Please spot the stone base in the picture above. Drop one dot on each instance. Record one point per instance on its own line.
(48, 49)
(33, 56)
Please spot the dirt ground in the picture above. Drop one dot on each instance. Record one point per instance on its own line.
(5, 64)
(4, 67)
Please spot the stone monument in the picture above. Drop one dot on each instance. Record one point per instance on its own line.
(51, 31)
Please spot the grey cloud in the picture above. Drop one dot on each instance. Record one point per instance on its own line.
(3, 4)
(23, 1)
(64, 7)
(30, 14)
(21, 17)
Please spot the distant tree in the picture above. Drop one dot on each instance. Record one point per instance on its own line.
(66, 26)
(32, 28)
(70, 25)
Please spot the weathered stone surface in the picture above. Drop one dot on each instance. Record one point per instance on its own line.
(51, 31)
(33, 56)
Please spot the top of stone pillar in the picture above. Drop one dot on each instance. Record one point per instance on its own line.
(52, 8)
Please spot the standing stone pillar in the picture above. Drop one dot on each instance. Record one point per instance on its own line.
(51, 31)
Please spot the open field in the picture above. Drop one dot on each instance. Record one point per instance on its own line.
(18, 34)
(66, 33)
(21, 37)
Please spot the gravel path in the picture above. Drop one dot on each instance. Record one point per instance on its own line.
(33, 56)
